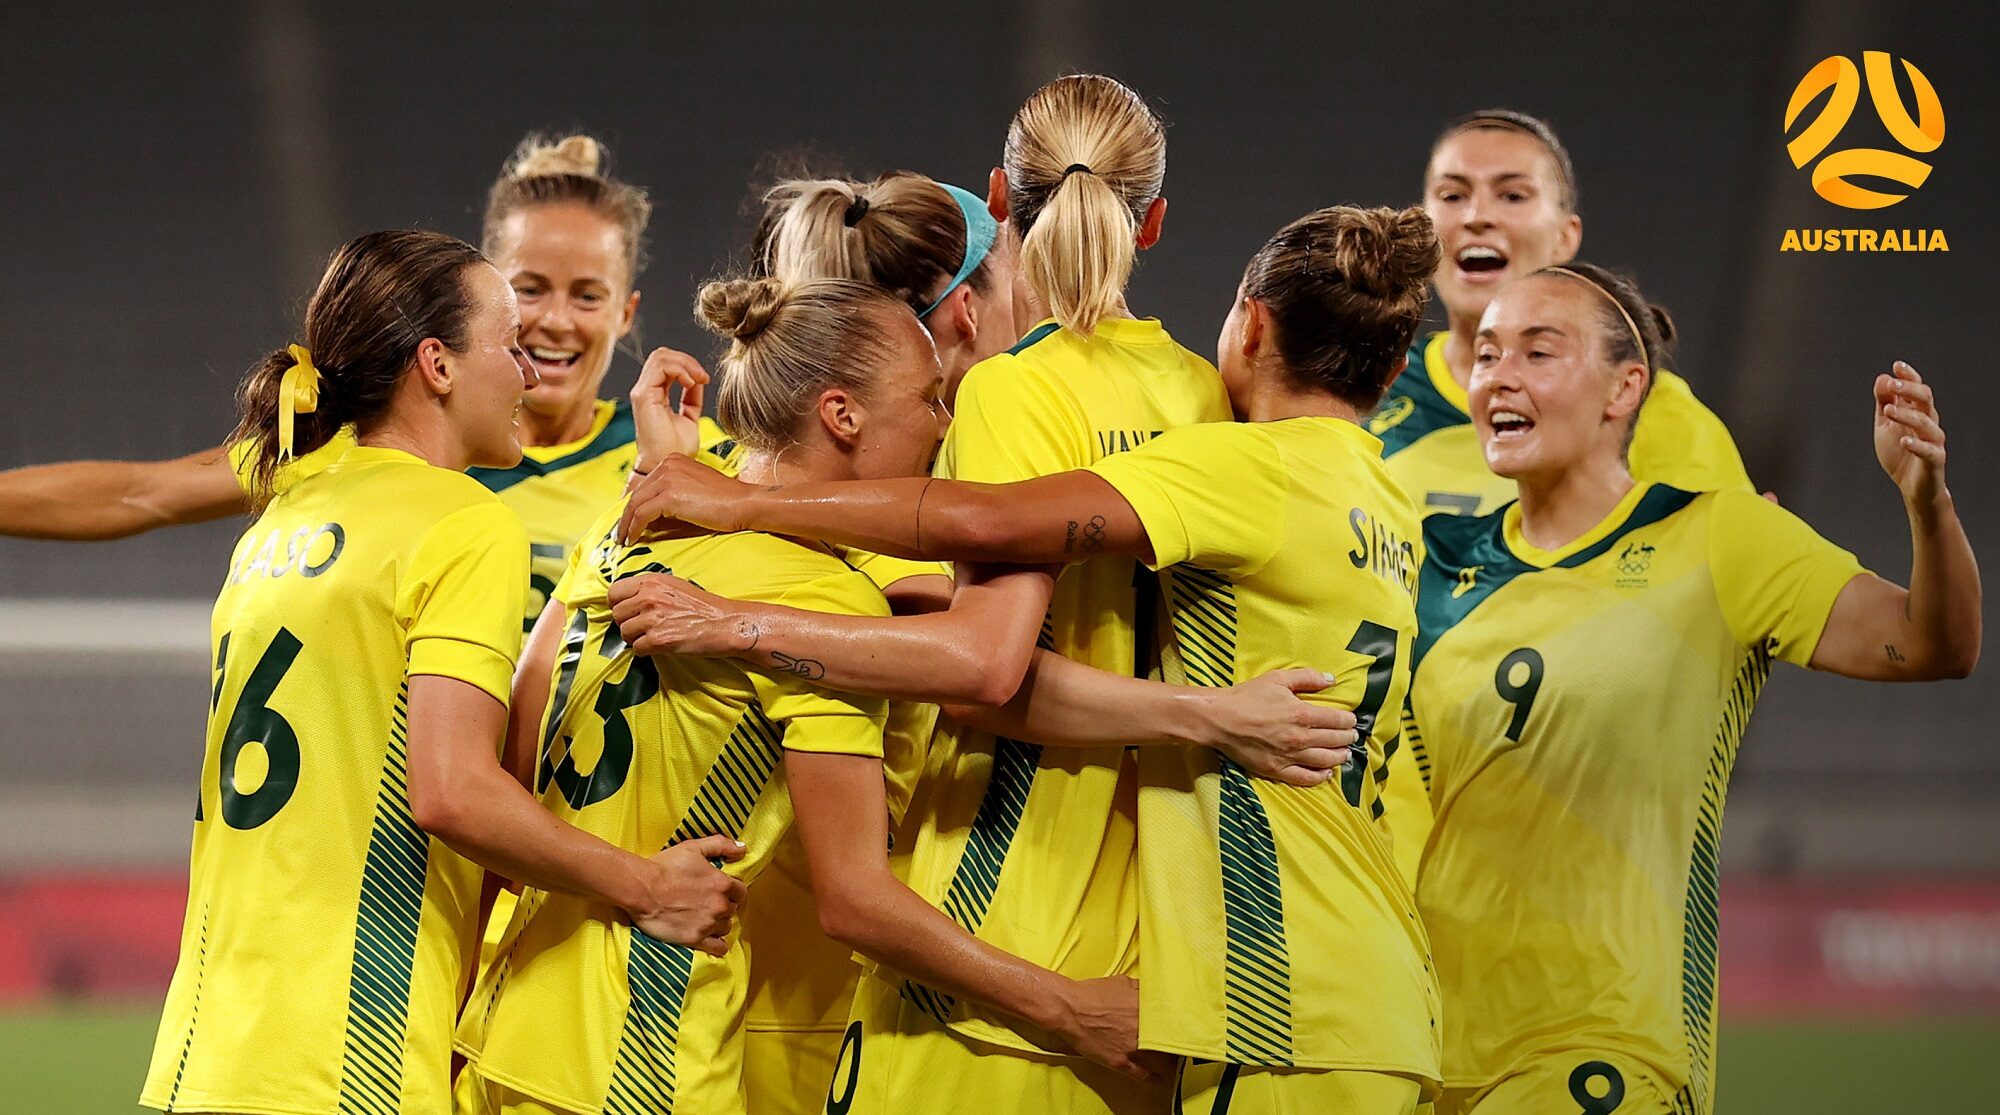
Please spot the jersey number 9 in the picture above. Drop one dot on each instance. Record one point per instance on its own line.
(1520, 694)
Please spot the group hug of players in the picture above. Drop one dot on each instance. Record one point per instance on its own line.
(1343, 726)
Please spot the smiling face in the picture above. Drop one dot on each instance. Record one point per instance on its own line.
(1544, 396)
(567, 266)
(905, 415)
(1496, 197)
(490, 374)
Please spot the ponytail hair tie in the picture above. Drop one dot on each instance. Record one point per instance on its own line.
(1074, 168)
(298, 393)
(855, 211)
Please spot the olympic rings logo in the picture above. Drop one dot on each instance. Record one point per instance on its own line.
(1918, 137)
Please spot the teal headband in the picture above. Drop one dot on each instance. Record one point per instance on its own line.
(980, 231)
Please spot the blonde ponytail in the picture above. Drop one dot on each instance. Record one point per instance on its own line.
(1085, 157)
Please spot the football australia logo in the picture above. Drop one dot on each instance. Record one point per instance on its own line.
(1835, 165)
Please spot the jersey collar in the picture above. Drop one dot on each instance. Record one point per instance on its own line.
(378, 454)
(1543, 559)
(1132, 331)
(1353, 432)
(600, 417)
(1439, 371)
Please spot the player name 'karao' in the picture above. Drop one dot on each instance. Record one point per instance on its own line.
(1382, 551)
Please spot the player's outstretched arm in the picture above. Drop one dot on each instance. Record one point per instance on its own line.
(974, 652)
(1261, 724)
(460, 794)
(1067, 516)
(88, 501)
(1879, 630)
(843, 824)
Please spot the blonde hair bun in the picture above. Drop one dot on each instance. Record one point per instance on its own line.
(739, 308)
(579, 155)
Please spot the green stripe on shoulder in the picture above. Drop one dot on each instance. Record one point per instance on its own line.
(1655, 505)
(1465, 561)
(1035, 336)
(1413, 409)
(616, 434)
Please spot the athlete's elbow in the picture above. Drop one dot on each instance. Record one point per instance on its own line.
(1959, 661)
(993, 676)
(848, 917)
(440, 814)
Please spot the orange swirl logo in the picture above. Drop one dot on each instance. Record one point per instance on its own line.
(1920, 136)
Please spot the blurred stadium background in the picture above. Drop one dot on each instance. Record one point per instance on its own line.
(178, 172)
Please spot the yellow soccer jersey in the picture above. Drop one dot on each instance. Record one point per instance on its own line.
(580, 1011)
(1434, 454)
(1582, 710)
(801, 980)
(323, 956)
(1285, 544)
(1033, 852)
(559, 490)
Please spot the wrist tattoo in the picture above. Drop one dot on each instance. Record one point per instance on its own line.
(807, 668)
(1894, 654)
(746, 629)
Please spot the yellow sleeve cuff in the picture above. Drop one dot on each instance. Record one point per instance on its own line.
(472, 663)
(1155, 508)
(1811, 609)
(835, 734)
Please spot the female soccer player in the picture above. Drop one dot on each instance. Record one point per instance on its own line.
(827, 380)
(939, 249)
(934, 245)
(364, 640)
(1030, 849)
(1503, 194)
(1587, 660)
(570, 240)
(1288, 545)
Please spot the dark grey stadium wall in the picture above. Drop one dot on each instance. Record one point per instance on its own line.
(177, 172)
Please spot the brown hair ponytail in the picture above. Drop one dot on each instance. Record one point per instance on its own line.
(382, 295)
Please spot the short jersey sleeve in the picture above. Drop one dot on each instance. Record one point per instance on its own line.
(1014, 421)
(1775, 577)
(1212, 495)
(459, 602)
(1682, 444)
(824, 720)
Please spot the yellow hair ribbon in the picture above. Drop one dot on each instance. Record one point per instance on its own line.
(298, 393)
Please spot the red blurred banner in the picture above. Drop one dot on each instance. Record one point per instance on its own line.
(1865, 947)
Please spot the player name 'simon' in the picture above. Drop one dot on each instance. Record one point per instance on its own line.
(1863, 240)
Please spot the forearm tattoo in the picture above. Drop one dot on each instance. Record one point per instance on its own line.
(1086, 537)
(807, 668)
